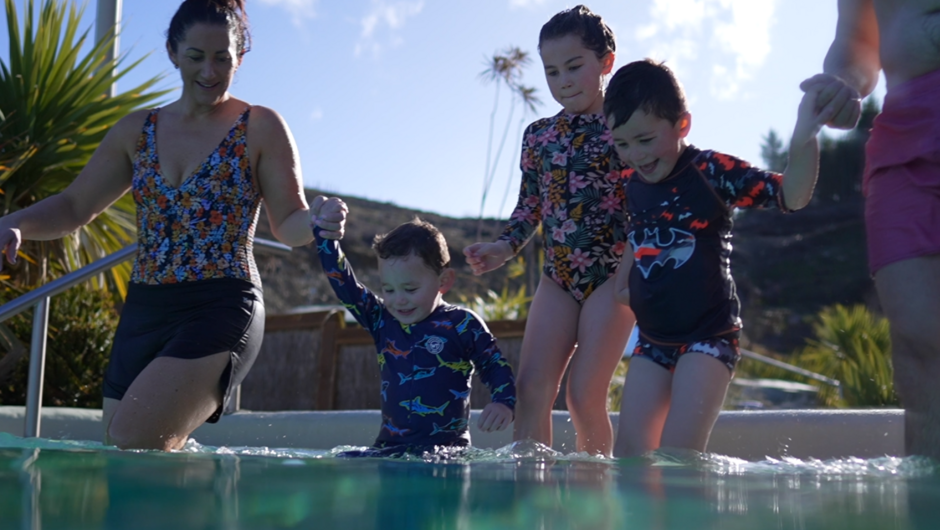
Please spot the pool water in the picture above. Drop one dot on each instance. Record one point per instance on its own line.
(81, 485)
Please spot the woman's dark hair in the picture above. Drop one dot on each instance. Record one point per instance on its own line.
(417, 237)
(646, 85)
(595, 34)
(228, 13)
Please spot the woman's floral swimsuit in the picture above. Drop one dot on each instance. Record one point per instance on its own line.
(195, 289)
(572, 186)
(204, 227)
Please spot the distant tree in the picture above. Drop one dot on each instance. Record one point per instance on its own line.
(775, 157)
(504, 68)
(842, 160)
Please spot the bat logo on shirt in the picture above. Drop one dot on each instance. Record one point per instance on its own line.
(654, 249)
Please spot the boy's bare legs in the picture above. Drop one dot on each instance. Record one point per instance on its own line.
(603, 329)
(550, 334)
(699, 386)
(675, 410)
(167, 402)
(910, 295)
(644, 405)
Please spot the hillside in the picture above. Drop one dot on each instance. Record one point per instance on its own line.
(787, 267)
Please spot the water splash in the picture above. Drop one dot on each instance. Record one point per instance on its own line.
(529, 451)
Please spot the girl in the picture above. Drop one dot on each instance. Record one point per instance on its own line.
(571, 188)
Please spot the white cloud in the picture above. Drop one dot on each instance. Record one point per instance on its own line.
(317, 114)
(732, 35)
(389, 14)
(299, 8)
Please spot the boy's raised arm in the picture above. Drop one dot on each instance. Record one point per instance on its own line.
(361, 302)
(799, 179)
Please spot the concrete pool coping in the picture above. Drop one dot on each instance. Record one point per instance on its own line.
(751, 435)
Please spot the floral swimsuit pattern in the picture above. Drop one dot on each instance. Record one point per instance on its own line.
(204, 227)
(571, 188)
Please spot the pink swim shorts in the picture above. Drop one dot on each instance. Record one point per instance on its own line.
(902, 214)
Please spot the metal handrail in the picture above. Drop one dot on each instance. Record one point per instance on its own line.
(39, 298)
(791, 368)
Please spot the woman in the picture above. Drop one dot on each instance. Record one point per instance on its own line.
(199, 167)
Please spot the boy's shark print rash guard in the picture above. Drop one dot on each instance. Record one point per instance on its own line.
(426, 366)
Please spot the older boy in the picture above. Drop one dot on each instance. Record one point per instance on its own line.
(902, 183)
(427, 349)
(679, 284)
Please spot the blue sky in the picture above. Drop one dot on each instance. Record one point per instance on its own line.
(385, 102)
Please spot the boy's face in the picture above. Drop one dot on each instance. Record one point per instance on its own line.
(411, 290)
(651, 145)
(575, 75)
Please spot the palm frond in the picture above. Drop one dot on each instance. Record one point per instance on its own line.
(55, 114)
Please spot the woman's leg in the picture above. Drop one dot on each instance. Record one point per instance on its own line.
(108, 408)
(550, 334)
(168, 400)
(603, 329)
(647, 392)
(699, 386)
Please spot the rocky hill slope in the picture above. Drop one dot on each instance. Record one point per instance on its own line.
(787, 267)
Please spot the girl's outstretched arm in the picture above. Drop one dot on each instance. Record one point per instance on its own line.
(484, 257)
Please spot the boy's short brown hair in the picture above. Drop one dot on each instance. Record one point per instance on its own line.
(645, 85)
(417, 237)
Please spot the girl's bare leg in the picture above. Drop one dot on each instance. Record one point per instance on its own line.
(603, 329)
(167, 402)
(550, 334)
(699, 386)
(647, 393)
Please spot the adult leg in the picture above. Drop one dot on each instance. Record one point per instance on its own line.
(647, 392)
(699, 385)
(550, 334)
(168, 400)
(603, 329)
(910, 295)
(108, 409)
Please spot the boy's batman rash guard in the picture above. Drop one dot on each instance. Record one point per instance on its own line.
(681, 288)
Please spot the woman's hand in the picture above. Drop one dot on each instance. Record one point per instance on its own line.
(330, 215)
(10, 241)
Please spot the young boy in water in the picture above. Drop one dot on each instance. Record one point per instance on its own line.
(427, 348)
(679, 285)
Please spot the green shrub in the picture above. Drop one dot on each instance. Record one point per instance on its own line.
(81, 329)
(53, 115)
(853, 346)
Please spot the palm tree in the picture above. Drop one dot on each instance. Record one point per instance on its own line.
(504, 69)
(53, 115)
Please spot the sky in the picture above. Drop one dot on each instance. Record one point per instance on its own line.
(385, 100)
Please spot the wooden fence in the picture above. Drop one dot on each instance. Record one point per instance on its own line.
(315, 361)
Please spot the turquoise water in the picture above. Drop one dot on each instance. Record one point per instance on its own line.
(81, 485)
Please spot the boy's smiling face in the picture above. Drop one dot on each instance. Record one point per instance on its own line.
(649, 144)
(412, 290)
